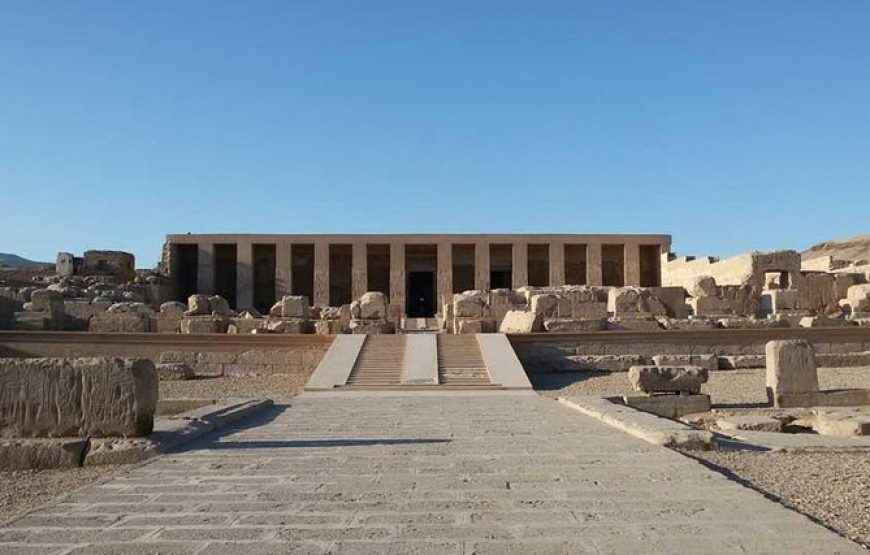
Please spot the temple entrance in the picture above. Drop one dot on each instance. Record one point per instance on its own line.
(421, 295)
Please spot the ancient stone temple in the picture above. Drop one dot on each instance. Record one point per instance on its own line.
(418, 273)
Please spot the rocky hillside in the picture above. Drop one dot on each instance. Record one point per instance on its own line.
(14, 261)
(852, 248)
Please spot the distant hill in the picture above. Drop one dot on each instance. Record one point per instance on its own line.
(14, 261)
(852, 248)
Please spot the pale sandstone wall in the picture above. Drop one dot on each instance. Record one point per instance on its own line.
(205, 356)
(743, 269)
(85, 397)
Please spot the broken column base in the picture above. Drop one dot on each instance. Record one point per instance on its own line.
(828, 398)
(668, 405)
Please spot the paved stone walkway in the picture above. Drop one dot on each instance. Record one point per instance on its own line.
(423, 473)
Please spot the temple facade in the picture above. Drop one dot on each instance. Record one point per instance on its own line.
(417, 272)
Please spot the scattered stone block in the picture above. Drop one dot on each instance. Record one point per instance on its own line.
(369, 327)
(65, 397)
(198, 305)
(174, 371)
(669, 406)
(752, 422)
(291, 306)
(518, 321)
(219, 306)
(571, 325)
(468, 325)
(204, 324)
(703, 286)
(372, 305)
(41, 454)
(667, 379)
(708, 362)
(118, 451)
(842, 422)
(741, 362)
(634, 303)
(791, 368)
(545, 305)
(470, 304)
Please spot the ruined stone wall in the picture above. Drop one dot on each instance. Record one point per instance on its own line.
(732, 349)
(241, 355)
(116, 263)
(743, 269)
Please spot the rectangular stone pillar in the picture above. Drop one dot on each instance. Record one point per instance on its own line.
(359, 270)
(632, 264)
(520, 271)
(593, 264)
(321, 274)
(397, 281)
(444, 275)
(205, 269)
(244, 275)
(283, 269)
(481, 265)
(557, 263)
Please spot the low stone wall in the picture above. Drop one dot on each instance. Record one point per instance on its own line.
(213, 355)
(77, 397)
(618, 351)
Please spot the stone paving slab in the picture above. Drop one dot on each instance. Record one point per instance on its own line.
(458, 474)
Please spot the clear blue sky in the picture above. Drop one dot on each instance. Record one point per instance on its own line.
(731, 125)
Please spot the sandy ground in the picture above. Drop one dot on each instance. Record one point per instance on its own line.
(24, 490)
(833, 488)
(727, 388)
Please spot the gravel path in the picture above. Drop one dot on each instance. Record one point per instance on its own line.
(23, 490)
(278, 387)
(727, 388)
(833, 488)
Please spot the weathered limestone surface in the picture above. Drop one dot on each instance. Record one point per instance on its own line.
(657, 379)
(518, 321)
(175, 371)
(467, 474)
(791, 368)
(371, 306)
(669, 406)
(57, 397)
(39, 454)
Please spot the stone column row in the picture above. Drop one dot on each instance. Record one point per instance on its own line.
(444, 274)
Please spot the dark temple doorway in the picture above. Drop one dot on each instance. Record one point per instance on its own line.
(421, 294)
(421, 265)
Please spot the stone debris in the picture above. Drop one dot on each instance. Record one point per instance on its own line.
(85, 397)
(844, 422)
(668, 379)
(669, 406)
(175, 371)
(519, 321)
(708, 362)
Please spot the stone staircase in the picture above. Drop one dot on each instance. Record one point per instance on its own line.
(460, 362)
(379, 363)
(419, 362)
